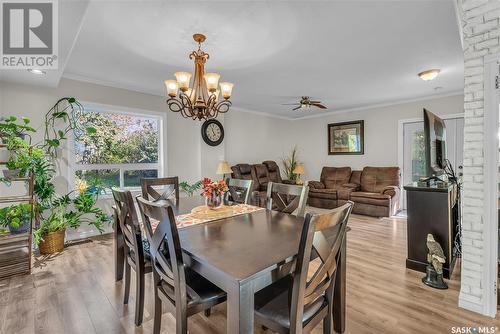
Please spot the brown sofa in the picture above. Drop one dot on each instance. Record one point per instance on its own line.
(375, 191)
(261, 174)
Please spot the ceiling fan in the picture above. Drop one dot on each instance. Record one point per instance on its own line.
(305, 102)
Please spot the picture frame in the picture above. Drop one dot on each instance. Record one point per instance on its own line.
(346, 138)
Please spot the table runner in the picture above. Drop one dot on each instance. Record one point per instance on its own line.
(191, 219)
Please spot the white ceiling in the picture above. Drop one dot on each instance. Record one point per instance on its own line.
(348, 54)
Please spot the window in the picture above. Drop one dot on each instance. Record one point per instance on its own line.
(123, 149)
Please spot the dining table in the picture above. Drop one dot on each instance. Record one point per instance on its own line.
(241, 255)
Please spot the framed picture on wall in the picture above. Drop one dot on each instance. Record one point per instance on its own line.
(346, 138)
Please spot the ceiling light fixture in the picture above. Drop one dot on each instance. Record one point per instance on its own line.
(199, 101)
(36, 71)
(429, 74)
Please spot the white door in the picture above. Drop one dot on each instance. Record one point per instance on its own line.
(414, 149)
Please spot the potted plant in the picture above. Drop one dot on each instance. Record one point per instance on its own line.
(289, 165)
(16, 217)
(189, 189)
(214, 192)
(9, 127)
(68, 212)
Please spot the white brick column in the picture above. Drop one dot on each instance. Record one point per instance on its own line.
(480, 34)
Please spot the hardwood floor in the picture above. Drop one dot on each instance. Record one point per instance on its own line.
(74, 292)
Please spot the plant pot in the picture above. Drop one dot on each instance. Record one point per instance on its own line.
(215, 201)
(52, 242)
(10, 173)
(23, 228)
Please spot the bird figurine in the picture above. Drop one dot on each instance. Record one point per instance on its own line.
(436, 259)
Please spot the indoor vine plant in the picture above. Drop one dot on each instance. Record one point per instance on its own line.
(54, 213)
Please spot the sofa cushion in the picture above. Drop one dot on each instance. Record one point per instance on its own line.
(335, 177)
(356, 176)
(261, 176)
(323, 193)
(375, 179)
(371, 198)
(273, 171)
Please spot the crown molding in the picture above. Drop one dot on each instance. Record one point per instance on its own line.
(381, 105)
(112, 84)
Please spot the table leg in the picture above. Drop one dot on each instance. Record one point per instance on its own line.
(340, 291)
(240, 309)
(119, 259)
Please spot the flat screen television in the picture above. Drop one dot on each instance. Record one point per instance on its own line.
(435, 144)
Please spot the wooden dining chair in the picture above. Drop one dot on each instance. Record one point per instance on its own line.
(174, 282)
(239, 190)
(296, 304)
(136, 249)
(287, 198)
(170, 184)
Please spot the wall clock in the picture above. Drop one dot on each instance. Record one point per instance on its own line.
(212, 132)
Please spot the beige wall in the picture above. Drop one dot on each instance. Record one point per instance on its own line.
(381, 134)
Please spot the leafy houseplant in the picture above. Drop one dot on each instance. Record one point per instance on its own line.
(289, 164)
(54, 213)
(16, 217)
(189, 189)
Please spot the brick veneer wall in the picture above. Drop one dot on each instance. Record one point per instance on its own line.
(480, 27)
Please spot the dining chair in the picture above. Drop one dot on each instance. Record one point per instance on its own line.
(287, 198)
(174, 282)
(239, 190)
(296, 304)
(170, 184)
(136, 249)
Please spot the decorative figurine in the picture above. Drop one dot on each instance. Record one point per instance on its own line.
(434, 270)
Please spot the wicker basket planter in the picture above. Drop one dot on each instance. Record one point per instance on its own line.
(52, 242)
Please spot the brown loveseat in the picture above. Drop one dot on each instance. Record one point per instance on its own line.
(375, 191)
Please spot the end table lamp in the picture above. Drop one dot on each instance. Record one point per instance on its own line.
(223, 169)
(299, 169)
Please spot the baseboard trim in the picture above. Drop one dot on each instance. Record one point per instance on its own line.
(468, 305)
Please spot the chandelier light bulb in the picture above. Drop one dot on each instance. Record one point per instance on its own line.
(226, 88)
(212, 80)
(172, 87)
(183, 79)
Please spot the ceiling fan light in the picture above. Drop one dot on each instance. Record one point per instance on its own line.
(172, 87)
(429, 74)
(183, 79)
(227, 89)
(212, 80)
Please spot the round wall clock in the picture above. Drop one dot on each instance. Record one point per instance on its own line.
(212, 132)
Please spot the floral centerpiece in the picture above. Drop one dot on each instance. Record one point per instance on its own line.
(214, 192)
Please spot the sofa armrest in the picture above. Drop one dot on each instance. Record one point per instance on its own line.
(316, 185)
(352, 186)
(289, 181)
(391, 191)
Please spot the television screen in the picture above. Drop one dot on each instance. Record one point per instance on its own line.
(435, 143)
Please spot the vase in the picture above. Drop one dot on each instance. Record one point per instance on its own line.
(11, 173)
(53, 242)
(23, 228)
(215, 201)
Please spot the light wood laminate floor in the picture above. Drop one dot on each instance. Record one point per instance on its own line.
(74, 292)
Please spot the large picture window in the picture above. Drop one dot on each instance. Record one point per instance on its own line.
(123, 149)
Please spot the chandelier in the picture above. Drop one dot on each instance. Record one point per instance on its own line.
(201, 100)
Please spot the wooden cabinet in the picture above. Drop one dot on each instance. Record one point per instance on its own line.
(436, 211)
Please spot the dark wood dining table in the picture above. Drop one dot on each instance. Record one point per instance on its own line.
(240, 255)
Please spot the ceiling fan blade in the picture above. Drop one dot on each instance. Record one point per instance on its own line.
(297, 108)
(290, 104)
(313, 102)
(319, 105)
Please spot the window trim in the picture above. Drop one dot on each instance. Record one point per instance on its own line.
(112, 109)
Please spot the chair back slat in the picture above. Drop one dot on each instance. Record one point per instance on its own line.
(316, 244)
(287, 198)
(170, 184)
(239, 190)
(165, 247)
(126, 216)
